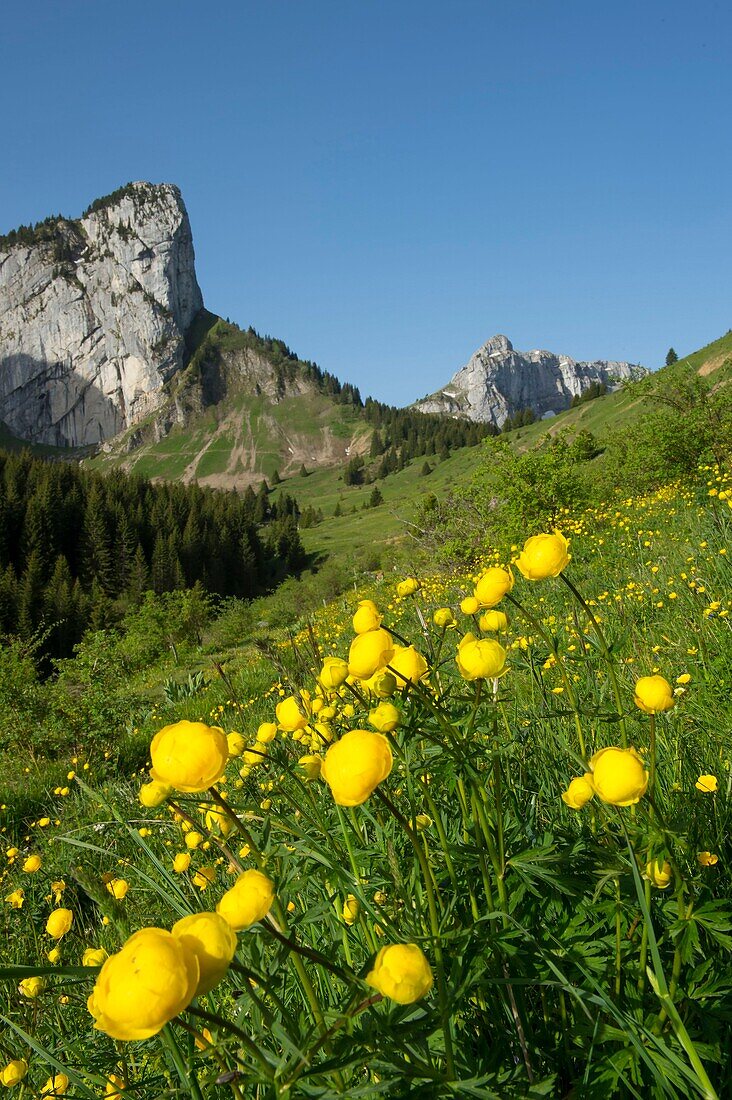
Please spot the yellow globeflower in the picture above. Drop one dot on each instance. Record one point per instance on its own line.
(118, 888)
(289, 716)
(469, 605)
(204, 876)
(114, 1087)
(140, 989)
(382, 684)
(53, 956)
(193, 839)
(212, 941)
(385, 717)
(367, 617)
(311, 765)
(59, 923)
(493, 586)
(407, 587)
(653, 694)
(94, 956)
(32, 987)
(266, 732)
(443, 617)
(218, 821)
(181, 862)
(14, 1072)
(354, 766)
(707, 784)
(248, 901)
(618, 776)
(58, 1085)
(189, 756)
(658, 874)
(153, 794)
(351, 909)
(480, 658)
(408, 665)
(370, 652)
(544, 556)
(579, 791)
(235, 743)
(31, 864)
(333, 673)
(707, 859)
(493, 622)
(401, 972)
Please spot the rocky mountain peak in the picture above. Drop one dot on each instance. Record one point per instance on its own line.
(93, 315)
(499, 381)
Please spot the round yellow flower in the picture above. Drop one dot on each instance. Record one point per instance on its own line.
(367, 617)
(469, 605)
(94, 956)
(193, 839)
(385, 717)
(493, 586)
(351, 909)
(235, 743)
(370, 652)
(59, 923)
(289, 716)
(658, 874)
(407, 587)
(266, 732)
(311, 765)
(382, 684)
(218, 821)
(707, 859)
(544, 556)
(408, 665)
(150, 980)
(53, 956)
(32, 864)
(480, 658)
(354, 766)
(333, 673)
(189, 756)
(707, 784)
(248, 901)
(402, 973)
(153, 794)
(14, 1072)
(212, 941)
(618, 776)
(58, 1085)
(204, 876)
(653, 694)
(114, 1087)
(181, 863)
(579, 791)
(118, 888)
(443, 617)
(493, 622)
(32, 987)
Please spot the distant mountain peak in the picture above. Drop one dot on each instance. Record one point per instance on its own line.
(499, 381)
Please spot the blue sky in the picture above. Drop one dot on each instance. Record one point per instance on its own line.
(385, 185)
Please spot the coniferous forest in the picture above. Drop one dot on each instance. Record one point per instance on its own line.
(77, 549)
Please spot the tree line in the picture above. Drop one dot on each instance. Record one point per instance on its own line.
(78, 548)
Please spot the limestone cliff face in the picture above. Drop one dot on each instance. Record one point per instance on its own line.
(498, 381)
(93, 315)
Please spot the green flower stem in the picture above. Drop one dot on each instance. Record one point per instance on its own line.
(308, 953)
(479, 810)
(354, 870)
(444, 843)
(434, 927)
(249, 1045)
(223, 1066)
(643, 956)
(354, 1007)
(605, 650)
(652, 754)
(618, 939)
(568, 687)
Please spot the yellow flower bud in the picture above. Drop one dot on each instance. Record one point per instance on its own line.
(267, 732)
(653, 694)
(153, 794)
(707, 784)
(469, 605)
(443, 617)
(94, 956)
(407, 587)
(408, 665)
(333, 673)
(289, 715)
(618, 776)
(579, 792)
(544, 556)
(212, 941)
(248, 901)
(14, 1072)
(189, 756)
(480, 658)
(658, 874)
(401, 972)
(351, 909)
(32, 987)
(181, 862)
(367, 617)
(118, 888)
(193, 839)
(58, 1085)
(311, 765)
(385, 717)
(493, 622)
(354, 766)
(59, 923)
(370, 652)
(235, 743)
(31, 864)
(707, 859)
(493, 586)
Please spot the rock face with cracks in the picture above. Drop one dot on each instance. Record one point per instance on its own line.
(93, 316)
(499, 381)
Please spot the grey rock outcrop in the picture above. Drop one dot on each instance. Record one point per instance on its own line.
(93, 316)
(499, 381)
